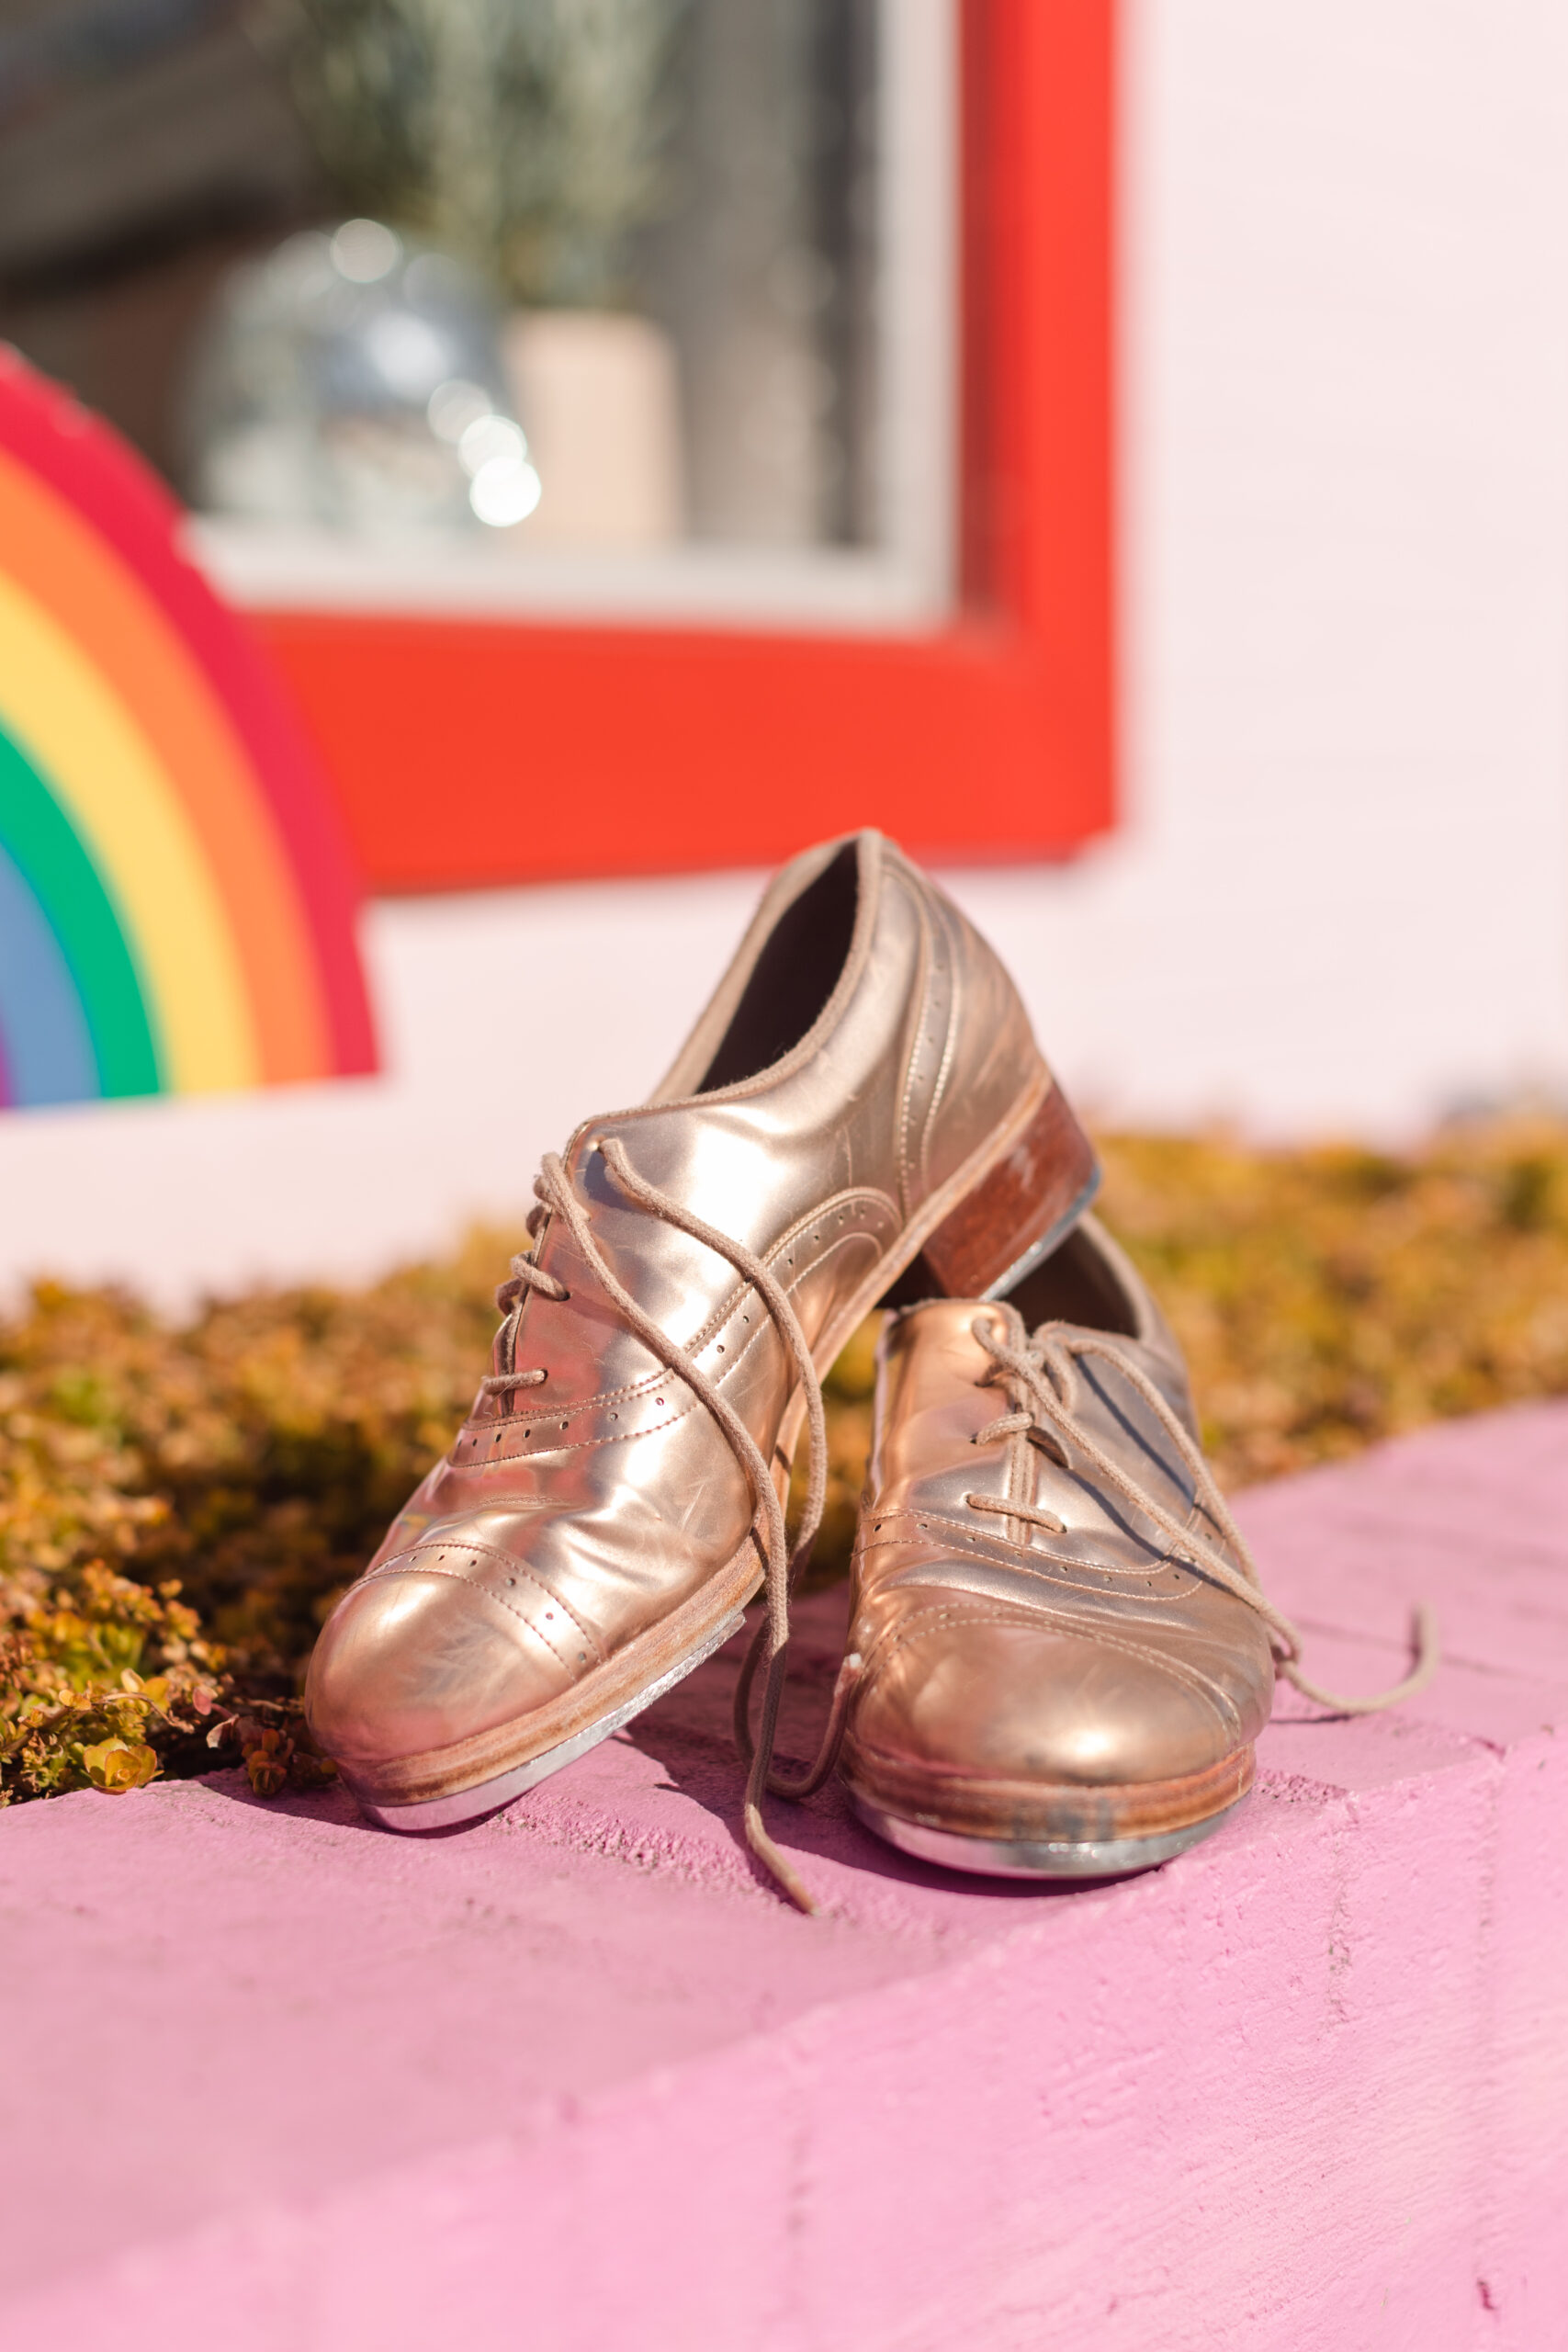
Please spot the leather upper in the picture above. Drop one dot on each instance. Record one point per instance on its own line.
(1002, 1651)
(568, 1518)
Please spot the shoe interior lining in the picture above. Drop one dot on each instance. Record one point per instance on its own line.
(794, 976)
(1074, 1285)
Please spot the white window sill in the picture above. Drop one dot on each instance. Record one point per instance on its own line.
(806, 591)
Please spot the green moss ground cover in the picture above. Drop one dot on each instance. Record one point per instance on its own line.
(181, 1505)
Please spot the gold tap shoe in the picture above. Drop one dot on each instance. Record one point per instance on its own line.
(863, 1093)
(1061, 1654)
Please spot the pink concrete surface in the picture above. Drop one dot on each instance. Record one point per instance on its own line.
(575, 2079)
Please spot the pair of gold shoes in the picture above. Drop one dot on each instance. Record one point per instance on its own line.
(1060, 1656)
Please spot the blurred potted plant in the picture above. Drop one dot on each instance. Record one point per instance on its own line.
(529, 138)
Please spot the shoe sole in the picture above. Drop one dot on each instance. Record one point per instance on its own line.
(1028, 1857)
(1001, 1211)
(472, 1804)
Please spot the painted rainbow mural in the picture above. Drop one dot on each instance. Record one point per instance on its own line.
(177, 906)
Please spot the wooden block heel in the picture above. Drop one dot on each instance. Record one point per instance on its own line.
(1030, 1201)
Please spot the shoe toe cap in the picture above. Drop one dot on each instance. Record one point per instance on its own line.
(1012, 1702)
(413, 1661)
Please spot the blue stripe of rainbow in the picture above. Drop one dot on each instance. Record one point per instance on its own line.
(50, 1055)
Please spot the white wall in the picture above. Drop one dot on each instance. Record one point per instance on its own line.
(505, 1017)
(1344, 897)
(1340, 897)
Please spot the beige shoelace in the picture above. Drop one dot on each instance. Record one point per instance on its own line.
(781, 1566)
(1041, 1380)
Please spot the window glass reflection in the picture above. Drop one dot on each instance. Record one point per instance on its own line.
(560, 274)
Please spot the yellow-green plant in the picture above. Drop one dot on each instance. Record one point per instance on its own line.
(180, 1506)
(1333, 1296)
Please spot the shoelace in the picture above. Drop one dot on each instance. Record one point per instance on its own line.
(1041, 1380)
(781, 1566)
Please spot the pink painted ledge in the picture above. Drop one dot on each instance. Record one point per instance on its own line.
(574, 2080)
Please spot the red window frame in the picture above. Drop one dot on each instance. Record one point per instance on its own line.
(470, 753)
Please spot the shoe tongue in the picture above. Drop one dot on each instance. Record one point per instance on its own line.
(951, 1322)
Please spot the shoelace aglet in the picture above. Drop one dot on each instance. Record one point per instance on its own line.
(760, 1780)
(757, 1778)
(783, 1872)
(781, 1566)
(1425, 1640)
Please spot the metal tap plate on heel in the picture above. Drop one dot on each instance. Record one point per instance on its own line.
(1027, 1859)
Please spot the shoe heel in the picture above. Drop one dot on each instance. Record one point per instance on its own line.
(1015, 1215)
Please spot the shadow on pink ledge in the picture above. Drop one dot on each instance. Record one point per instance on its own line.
(575, 2078)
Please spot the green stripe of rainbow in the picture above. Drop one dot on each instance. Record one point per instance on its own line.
(86, 928)
(153, 799)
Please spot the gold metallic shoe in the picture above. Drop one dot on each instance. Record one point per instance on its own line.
(864, 1088)
(1061, 1656)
